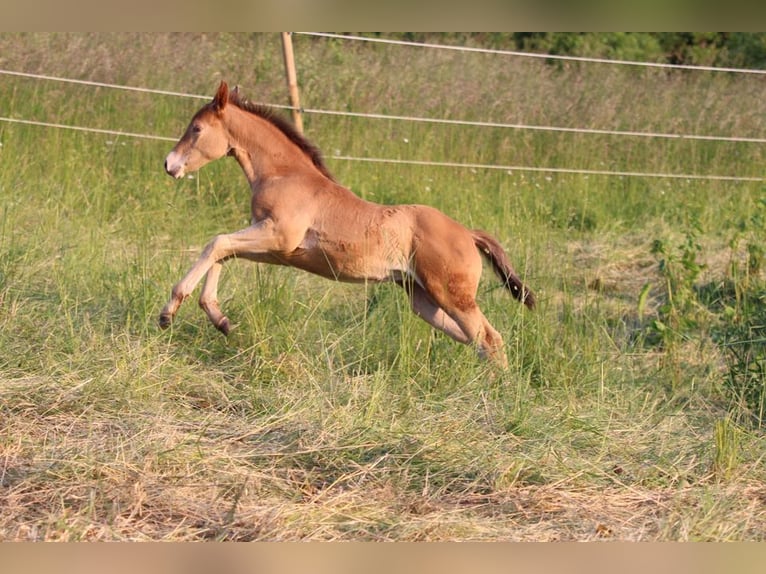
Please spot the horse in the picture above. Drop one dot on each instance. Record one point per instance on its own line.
(303, 218)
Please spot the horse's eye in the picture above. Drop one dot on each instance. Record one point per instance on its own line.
(196, 128)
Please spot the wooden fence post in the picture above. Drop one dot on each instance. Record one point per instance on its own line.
(292, 80)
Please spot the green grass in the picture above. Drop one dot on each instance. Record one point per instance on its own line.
(632, 408)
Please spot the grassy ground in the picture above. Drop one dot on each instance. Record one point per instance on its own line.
(633, 405)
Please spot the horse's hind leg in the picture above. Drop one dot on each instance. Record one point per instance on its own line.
(455, 293)
(491, 346)
(488, 341)
(468, 327)
(208, 299)
(424, 307)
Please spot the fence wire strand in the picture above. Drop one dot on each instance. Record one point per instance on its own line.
(532, 54)
(375, 116)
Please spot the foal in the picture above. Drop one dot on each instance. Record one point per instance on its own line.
(303, 218)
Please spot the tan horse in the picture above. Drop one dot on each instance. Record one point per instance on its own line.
(303, 218)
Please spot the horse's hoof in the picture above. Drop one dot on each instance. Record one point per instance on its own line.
(224, 326)
(165, 321)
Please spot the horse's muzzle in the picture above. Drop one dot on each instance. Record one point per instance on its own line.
(174, 169)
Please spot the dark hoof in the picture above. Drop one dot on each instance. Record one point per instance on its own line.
(165, 321)
(224, 326)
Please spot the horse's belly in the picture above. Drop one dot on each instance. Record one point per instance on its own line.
(350, 270)
(353, 256)
(349, 264)
(370, 270)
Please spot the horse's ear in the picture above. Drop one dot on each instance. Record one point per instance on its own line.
(221, 96)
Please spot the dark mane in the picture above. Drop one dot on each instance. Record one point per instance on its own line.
(285, 126)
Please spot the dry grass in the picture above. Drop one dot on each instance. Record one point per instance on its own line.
(190, 461)
(152, 476)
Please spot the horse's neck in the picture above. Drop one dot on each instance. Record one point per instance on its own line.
(264, 152)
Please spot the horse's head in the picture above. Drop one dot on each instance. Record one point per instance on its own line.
(205, 138)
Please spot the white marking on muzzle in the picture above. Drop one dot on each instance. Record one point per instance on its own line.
(174, 165)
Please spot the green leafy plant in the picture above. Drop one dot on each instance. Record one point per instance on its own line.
(679, 315)
(741, 332)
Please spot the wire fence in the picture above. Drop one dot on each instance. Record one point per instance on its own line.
(86, 129)
(402, 118)
(532, 54)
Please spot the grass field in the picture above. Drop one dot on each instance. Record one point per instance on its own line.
(633, 407)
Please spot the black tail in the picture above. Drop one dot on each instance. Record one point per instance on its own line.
(495, 254)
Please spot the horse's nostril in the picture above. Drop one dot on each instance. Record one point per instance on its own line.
(170, 170)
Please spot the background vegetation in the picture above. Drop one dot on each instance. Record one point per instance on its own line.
(633, 408)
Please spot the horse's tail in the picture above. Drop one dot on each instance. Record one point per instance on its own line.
(495, 254)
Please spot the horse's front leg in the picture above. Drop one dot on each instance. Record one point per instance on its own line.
(252, 242)
(208, 299)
